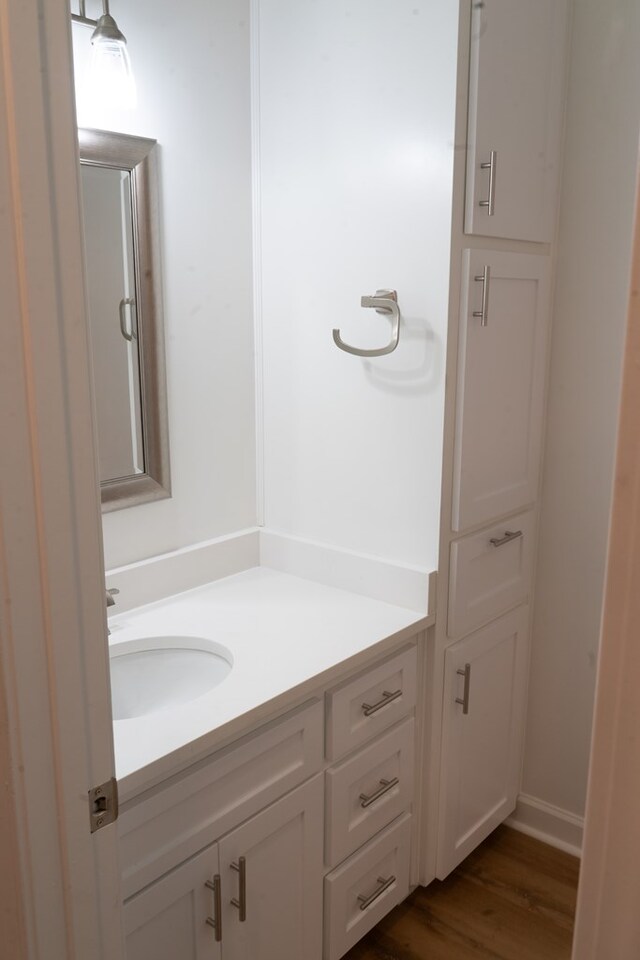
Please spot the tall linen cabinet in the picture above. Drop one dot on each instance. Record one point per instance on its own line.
(510, 117)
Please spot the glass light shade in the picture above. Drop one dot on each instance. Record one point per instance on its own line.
(112, 81)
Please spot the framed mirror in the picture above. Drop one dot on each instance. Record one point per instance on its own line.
(120, 206)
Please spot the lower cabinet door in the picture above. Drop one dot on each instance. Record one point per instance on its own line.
(483, 727)
(271, 871)
(168, 919)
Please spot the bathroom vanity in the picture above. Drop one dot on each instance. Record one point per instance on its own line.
(353, 752)
(276, 814)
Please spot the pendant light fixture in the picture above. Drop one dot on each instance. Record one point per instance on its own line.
(111, 78)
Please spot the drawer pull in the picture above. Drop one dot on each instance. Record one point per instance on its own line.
(384, 885)
(241, 902)
(216, 920)
(369, 708)
(385, 786)
(509, 535)
(466, 673)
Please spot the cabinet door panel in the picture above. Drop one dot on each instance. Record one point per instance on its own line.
(501, 374)
(282, 847)
(168, 920)
(516, 85)
(481, 750)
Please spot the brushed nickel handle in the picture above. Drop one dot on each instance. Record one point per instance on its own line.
(485, 280)
(385, 786)
(509, 535)
(370, 708)
(241, 902)
(466, 673)
(128, 302)
(216, 920)
(384, 885)
(491, 166)
(385, 301)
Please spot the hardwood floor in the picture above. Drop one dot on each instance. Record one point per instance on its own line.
(512, 899)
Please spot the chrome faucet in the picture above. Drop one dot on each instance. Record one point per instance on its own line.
(110, 594)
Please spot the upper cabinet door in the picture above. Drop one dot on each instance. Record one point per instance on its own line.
(516, 88)
(501, 374)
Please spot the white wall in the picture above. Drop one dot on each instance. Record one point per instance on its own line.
(590, 312)
(356, 132)
(192, 72)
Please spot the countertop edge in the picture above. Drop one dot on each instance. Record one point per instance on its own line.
(133, 786)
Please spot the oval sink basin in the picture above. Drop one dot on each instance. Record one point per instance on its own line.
(157, 673)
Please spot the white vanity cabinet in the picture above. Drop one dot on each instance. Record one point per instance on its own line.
(516, 83)
(504, 317)
(512, 121)
(498, 330)
(256, 893)
(277, 848)
(483, 727)
(271, 869)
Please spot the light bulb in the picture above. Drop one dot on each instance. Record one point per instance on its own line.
(112, 80)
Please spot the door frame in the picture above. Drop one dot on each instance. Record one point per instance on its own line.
(55, 726)
(607, 921)
(56, 739)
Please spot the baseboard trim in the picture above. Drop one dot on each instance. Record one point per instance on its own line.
(399, 584)
(548, 823)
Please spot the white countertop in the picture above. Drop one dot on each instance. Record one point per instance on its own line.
(287, 636)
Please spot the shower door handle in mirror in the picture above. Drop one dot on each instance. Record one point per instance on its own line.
(122, 309)
(386, 302)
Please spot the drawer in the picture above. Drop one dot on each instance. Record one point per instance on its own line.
(165, 829)
(486, 578)
(368, 791)
(360, 892)
(364, 706)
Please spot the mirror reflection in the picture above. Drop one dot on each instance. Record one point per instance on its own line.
(109, 249)
(124, 299)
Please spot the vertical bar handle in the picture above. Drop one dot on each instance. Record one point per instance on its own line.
(216, 920)
(491, 166)
(485, 280)
(466, 673)
(241, 902)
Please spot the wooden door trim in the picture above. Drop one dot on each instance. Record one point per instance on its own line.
(52, 620)
(607, 922)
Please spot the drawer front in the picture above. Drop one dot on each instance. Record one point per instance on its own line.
(360, 892)
(164, 830)
(368, 791)
(364, 706)
(486, 578)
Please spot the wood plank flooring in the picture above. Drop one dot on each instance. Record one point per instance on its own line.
(512, 899)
